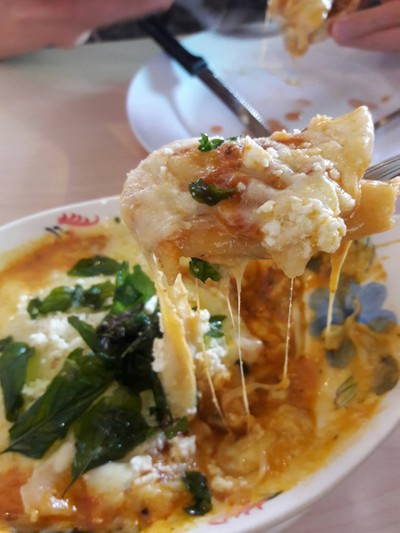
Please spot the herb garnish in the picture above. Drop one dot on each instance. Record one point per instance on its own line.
(209, 193)
(215, 330)
(64, 298)
(82, 379)
(206, 144)
(196, 483)
(108, 431)
(13, 364)
(180, 426)
(94, 266)
(203, 270)
(96, 394)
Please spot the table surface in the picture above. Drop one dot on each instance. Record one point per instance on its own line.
(64, 138)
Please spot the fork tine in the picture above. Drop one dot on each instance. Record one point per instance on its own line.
(384, 171)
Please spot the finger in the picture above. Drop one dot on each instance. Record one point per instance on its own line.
(34, 24)
(384, 41)
(355, 26)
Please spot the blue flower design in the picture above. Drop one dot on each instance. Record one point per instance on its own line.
(367, 300)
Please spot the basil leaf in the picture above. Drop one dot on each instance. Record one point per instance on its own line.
(132, 289)
(94, 266)
(162, 410)
(215, 330)
(203, 270)
(209, 193)
(180, 426)
(87, 332)
(124, 343)
(59, 299)
(196, 483)
(206, 144)
(108, 431)
(63, 298)
(5, 342)
(13, 365)
(96, 296)
(81, 380)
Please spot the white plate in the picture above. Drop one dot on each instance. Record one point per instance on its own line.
(275, 515)
(165, 103)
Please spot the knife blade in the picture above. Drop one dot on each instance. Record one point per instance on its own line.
(197, 66)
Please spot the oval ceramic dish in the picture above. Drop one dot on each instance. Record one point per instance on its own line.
(275, 514)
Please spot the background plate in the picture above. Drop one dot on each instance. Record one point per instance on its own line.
(165, 103)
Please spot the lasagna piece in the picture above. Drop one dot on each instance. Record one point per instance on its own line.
(286, 197)
(304, 22)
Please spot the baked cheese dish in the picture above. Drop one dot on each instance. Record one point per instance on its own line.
(183, 376)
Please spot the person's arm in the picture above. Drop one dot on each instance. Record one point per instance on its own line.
(28, 25)
(376, 28)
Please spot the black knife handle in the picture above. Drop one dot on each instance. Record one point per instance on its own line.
(193, 64)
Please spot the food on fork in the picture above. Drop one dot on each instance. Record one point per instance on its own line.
(185, 376)
(306, 21)
(286, 197)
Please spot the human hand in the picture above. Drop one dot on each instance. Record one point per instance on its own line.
(376, 28)
(27, 25)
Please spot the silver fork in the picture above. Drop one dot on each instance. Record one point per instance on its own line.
(384, 171)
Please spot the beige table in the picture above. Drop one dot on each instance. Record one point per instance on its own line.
(64, 138)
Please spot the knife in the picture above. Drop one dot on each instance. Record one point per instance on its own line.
(197, 66)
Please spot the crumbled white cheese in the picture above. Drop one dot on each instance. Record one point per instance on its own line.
(222, 484)
(215, 353)
(254, 155)
(182, 448)
(141, 464)
(151, 446)
(151, 305)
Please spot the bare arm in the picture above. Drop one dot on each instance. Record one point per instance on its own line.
(28, 25)
(377, 28)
